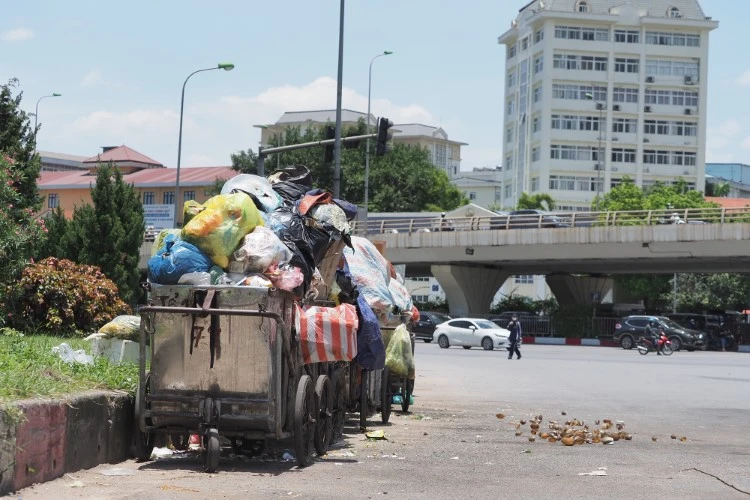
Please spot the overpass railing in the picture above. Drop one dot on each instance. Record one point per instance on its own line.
(549, 220)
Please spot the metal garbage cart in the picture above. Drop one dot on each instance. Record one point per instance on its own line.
(392, 385)
(224, 359)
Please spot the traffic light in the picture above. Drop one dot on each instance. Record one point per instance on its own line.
(384, 124)
(328, 148)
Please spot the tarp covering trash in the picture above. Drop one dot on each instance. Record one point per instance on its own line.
(328, 333)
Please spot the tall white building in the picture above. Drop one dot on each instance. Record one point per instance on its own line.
(599, 89)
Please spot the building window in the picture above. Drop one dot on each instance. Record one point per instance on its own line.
(665, 67)
(472, 195)
(674, 13)
(586, 34)
(188, 195)
(538, 94)
(53, 201)
(168, 198)
(512, 51)
(148, 198)
(536, 124)
(510, 107)
(560, 91)
(620, 94)
(621, 155)
(524, 279)
(579, 63)
(511, 79)
(440, 155)
(583, 7)
(508, 162)
(509, 135)
(573, 122)
(539, 36)
(689, 129)
(508, 190)
(627, 36)
(525, 43)
(571, 183)
(678, 39)
(576, 153)
(538, 65)
(623, 65)
(536, 154)
(624, 125)
(534, 184)
(420, 299)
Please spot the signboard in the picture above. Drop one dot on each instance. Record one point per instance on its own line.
(158, 216)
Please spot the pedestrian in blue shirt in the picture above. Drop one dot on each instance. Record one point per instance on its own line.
(516, 336)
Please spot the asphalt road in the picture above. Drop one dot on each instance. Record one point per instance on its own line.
(452, 445)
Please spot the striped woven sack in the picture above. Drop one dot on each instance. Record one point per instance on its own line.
(327, 333)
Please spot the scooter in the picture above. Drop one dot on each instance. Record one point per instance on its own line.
(663, 345)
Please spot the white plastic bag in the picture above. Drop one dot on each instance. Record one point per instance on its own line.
(70, 356)
(197, 278)
(260, 250)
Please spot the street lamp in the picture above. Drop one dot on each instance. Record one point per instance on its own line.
(36, 112)
(225, 67)
(367, 149)
(602, 129)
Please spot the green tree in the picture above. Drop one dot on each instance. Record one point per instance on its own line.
(626, 196)
(648, 288)
(17, 142)
(245, 162)
(55, 242)
(539, 201)
(704, 292)
(109, 234)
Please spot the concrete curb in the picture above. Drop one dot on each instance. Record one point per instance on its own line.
(565, 341)
(53, 437)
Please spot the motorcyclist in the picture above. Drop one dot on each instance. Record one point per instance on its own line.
(652, 334)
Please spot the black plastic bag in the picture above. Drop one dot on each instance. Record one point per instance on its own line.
(298, 174)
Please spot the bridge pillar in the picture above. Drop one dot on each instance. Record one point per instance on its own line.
(469, 290)
(577, 290)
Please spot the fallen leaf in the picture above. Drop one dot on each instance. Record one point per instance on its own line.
(683, 439)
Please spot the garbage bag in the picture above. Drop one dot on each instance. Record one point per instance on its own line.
(285, 277)
(258, 188)
(126, 327)
(350, 209)
(401, 296)
(370, 347)
(399, 357)
(202, 278)
(219, 228)
(312, 199)
(299, 174)
(261, 249)
(159, 241)
(306, 233)
(327, 333)
(290, 192)
(331, 214)
(175, 258)
(190, 209)
(370, 271)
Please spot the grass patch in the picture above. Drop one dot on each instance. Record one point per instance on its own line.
(29, 369)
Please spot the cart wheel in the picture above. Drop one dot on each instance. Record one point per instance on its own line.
(338, 415)
(304, 423)
(144, 441)
(385, 396)
(212, 451)
(180, 441)
(363, 407)
(407, 387)
(323, 427)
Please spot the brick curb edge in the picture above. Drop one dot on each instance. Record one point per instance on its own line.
(530, 339)
(63, 435)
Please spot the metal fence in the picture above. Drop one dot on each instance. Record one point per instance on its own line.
(573, 327)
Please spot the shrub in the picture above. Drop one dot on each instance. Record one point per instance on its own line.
(63, 298)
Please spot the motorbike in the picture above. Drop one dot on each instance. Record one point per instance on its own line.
(721, 341)
(663, 344)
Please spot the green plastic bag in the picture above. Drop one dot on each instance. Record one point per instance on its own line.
(399, 357)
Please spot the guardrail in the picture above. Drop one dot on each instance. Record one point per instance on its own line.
(557, 220)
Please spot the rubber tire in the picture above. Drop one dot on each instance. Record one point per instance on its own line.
(304, 408)
(645, 349)
(467, 347)
(667, 350)
(386, 398)
(212, 451)
(488, 344)
(407, 389)
(427, 341)
(627, 342)
(324, 423)
(676, 343)
(143, 441)
(338, 418)
(443, 342)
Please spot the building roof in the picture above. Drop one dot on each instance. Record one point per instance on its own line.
(689, 9)
(730, 202)
(420, 130)
(60, 156)
(160, 177)
(322, 116)
(121, 154)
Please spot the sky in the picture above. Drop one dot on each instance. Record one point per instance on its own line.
(120, 68)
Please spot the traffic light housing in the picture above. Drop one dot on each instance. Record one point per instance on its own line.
(384, 135)
(328, 149)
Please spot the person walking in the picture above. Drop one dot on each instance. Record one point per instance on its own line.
(515, 338)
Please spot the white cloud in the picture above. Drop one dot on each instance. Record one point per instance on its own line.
(744, 79)
(18, 35)
(720, 139)
(92, 78)
(746, 143)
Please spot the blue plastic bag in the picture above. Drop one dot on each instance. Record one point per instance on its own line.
(370, 347)
(175, 258)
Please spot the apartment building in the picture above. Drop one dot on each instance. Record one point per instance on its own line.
(444, 152)
(596, 90)
(482, 186)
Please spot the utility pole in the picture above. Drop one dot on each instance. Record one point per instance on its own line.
(337, 144)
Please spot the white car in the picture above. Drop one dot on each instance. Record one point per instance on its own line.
(470, 332)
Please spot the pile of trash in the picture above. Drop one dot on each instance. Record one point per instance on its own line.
(573, 432)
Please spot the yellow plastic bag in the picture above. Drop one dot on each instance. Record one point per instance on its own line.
(399, 357)
(123, 327)
(159, 241)
(190, 209)
(219, 228)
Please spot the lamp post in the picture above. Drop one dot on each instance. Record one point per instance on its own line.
(602, 129)
(367, 148)
(225, 67)
(36, 112)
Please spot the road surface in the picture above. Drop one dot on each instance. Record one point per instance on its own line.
(453, 445)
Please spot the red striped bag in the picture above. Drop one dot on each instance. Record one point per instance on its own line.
(327, 333)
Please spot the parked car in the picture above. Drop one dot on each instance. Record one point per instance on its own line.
(631, 328)
(530, 322)
(705, 323)
(470, 332)
(428, 320)
(530, 218)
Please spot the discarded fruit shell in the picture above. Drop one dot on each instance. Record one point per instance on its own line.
(607, 421)
(518, 433)
(628, 437)
(596, 439)
(552, 439)
(500, 415)
(564, 412)
(683, 439)
(607, 439)
(654, 438)
(534, 425)
(544, 435)
(673, 436)
(523, 422)
(596, 422)
(532, 438)
(533, 431)
(578, 440)
(568, 441)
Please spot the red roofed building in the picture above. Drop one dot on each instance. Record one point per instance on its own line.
(154, 183)
(729, 202)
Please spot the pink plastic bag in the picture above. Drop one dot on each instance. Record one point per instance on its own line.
(285, 277)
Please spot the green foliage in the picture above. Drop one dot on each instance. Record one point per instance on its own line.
(648, 288)
(402, 180)
(718, 189)
(574, 322)
(437, 306)
(17, 143)
(628, 196)
(54, 243)
(539, 201)
(514, 302)
(705, 292)
(62, 297)
(108, 234)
